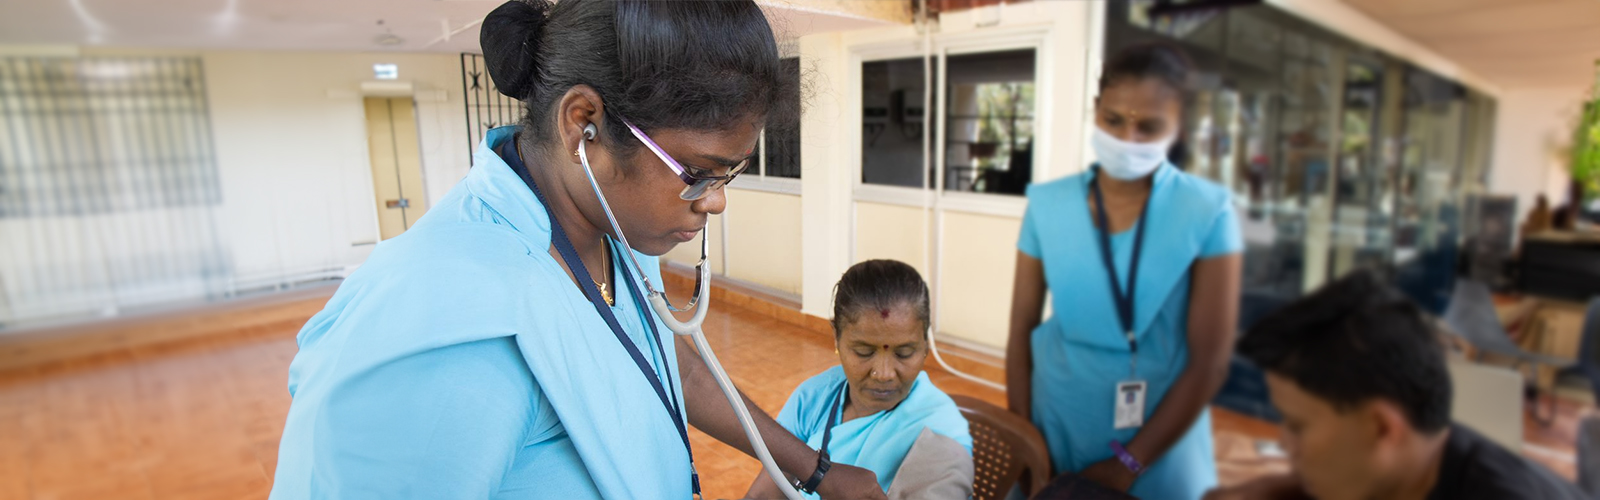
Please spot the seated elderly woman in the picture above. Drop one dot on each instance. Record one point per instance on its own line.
(877, 410)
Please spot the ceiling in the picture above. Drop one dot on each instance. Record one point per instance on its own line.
(341, 25)
(1512, 43)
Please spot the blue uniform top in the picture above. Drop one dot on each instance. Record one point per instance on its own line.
(1080, 352)
(460, 361)
(878, 442)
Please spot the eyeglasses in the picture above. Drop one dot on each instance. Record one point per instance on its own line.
(698, 185)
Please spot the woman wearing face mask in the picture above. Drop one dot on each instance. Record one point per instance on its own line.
(502, 347)
(1142, 263)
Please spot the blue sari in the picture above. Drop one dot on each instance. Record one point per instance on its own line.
(876, 442)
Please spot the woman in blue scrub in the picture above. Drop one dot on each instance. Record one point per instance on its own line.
(501, 347)
(1142, 264)
(878, 407)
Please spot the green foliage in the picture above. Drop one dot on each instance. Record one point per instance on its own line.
(1586, 143)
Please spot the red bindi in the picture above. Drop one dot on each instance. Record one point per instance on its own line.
(883, 312)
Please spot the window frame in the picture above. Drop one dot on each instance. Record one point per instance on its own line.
(933, 193)
(757, 179)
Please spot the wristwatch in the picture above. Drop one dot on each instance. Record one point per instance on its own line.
(810, 486)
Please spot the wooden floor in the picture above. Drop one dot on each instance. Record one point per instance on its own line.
(200, 418)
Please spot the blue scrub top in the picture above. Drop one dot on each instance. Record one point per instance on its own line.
(878, 442)
(460, 361)
(1080, 352)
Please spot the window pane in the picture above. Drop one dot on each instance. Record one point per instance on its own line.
(783, 128)
(108, 174)
(989, 125)
(892, 122)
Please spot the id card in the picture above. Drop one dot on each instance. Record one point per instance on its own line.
(1130, 404)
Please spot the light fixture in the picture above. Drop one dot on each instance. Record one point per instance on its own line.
(386, 71)
(388, 40)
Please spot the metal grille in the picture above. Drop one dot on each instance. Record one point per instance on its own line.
(486, 107)
(108, 186)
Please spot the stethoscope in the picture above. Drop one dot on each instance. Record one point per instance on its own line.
(692, 328)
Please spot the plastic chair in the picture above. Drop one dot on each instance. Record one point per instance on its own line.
(1007, 451)
(1589, 449)
(1589, 349)
(1471, 315)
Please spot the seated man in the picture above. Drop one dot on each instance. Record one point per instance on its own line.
(1359, 375)
(878, 410)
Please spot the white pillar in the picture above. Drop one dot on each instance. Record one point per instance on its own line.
(826, 171)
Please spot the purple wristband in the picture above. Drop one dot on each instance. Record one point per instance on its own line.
(1126, 458)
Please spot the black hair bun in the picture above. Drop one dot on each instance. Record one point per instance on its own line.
(510, 38)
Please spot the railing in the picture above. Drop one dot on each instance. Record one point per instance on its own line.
(486, 107)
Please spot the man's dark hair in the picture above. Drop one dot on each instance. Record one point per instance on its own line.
(1355, 340)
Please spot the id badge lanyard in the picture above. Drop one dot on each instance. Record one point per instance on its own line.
(1130, 394)
(570, 256)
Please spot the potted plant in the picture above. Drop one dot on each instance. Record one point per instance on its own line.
(1586, 143)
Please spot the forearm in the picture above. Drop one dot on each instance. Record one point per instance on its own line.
(763, 489)
(1213, 315)
(1177, 411)
(1019, 373)
(1027, 308)
(710, 412)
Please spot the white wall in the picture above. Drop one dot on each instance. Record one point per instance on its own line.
(975, 277)
(1532, 133)
(764, 239)
(291, 145)
(970, 261)
(825, 176)
(895, 232)
(761, 241)
(288, 130)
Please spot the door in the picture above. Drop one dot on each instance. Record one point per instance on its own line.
(396, 164)
(947, 150)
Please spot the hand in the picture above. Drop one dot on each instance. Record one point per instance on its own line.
(1111, 474)
(846, 482)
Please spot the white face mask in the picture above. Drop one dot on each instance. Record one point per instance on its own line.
(1123, 160)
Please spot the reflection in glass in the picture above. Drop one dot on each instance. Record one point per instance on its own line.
(1338, 157)
(1360, 225)
(892, 122)
(989, 128)
(781, 148)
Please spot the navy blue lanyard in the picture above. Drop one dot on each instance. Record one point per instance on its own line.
(508, 152)
(835, 417)
(1124, 300)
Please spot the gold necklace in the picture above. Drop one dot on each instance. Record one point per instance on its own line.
(604, 269)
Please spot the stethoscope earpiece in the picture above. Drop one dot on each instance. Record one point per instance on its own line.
(589, 132)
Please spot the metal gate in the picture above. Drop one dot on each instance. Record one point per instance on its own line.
(486, 107)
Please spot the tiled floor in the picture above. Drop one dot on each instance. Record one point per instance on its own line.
(201, 419)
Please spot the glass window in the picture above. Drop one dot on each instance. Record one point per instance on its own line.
(1362, 192)
(989, 122)
(1339, 157)
(108, 175)
(892, 122)
(781, 145)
